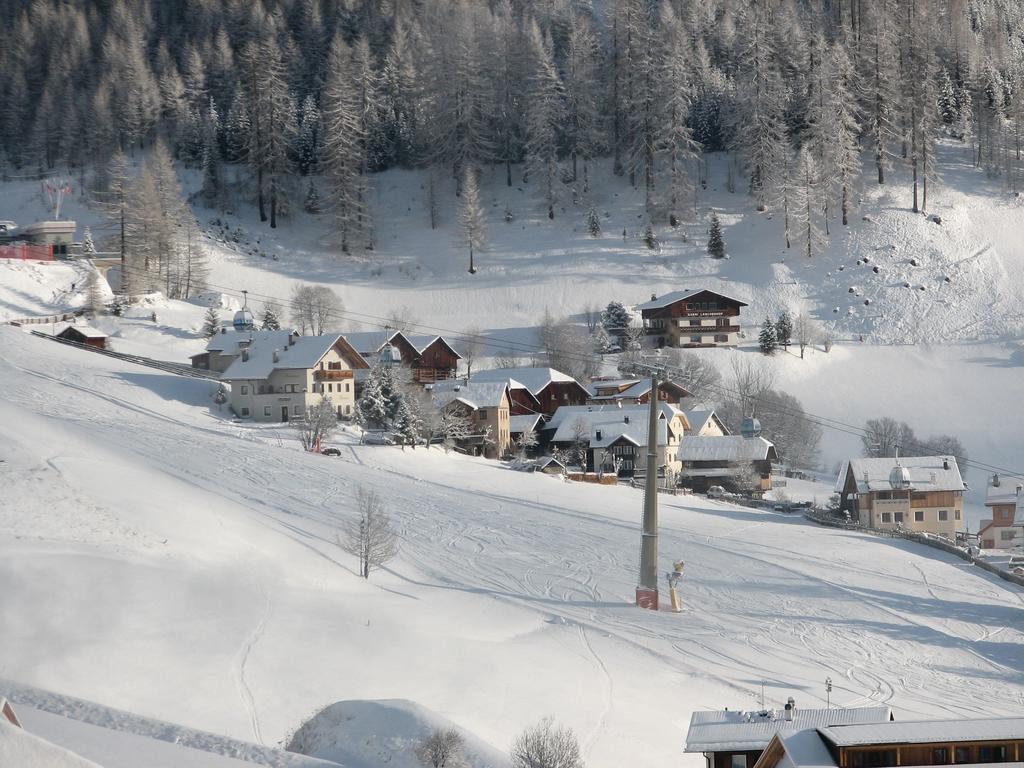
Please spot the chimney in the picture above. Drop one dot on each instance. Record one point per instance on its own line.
(277, 357)
(625, 419)
(654, 297)
(945, 463)
(790, 709)
(1019, 488)
(597, 435)
(245, 355)
(995, 480)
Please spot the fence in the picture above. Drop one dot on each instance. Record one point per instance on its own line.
(930, 540)
(27, 252)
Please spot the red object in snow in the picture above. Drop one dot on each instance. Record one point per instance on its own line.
(647, 598)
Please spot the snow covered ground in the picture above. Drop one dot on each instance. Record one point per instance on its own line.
(189, 571)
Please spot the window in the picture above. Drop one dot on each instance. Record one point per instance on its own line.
(348, 409)
(330, 387)
(919, 516)
(483, 414)
(721, 338)
(957, 515)
(1007, 535)
(886, 517)
(297, 410)
(694, 322)
(245, 390)
(245, 411)
(962, 755)
(943, 515)
(722, 321)
(739, 761)
(993, 754)
(713, 305)
(874, 758)
(346, 386)
(940, 756)
(898, 517)
(266, 410)
(696, 339)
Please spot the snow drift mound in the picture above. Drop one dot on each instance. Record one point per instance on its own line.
(22, 749)
(368, 734)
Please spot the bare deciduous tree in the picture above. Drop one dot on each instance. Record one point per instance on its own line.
(695, 372)
(314, 308)
(804, 331)
(546, 745)
(370, 537)
(507, 359)
(401, 319)
(443, 748)
(592, 317)
(316, 424)
(471, 348)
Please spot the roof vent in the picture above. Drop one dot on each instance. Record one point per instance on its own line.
(277, 356)
(1019, 488)
(945, 463)
(597, 435)
(245, 355)
(790, 709)
(995, 480)
(625, 419)
(654, 297)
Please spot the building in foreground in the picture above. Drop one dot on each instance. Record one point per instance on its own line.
(1004, 499)
(913, 493)
(485, 405)
(742, 463)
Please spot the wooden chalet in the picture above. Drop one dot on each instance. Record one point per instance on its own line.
(738, 462)
(83, 334)
(699, 318)
(549, 389)
(886, 745)
(1004, 499)
(430, 358)
(633, 391)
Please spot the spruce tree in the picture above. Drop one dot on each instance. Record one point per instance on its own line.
(211, 323)
(615, 319)
(784, 329)
(767, 340)
(472, 217)
(312, 202)
(716, 243)
(593, 223)
(270, 320)
(88, 247)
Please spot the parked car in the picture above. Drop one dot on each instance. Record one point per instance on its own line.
(716, 492)
(378, 438)
(330, 452)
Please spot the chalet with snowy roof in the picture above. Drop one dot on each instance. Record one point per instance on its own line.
(704, 422)
(276, 379)
(486, 404)
(84, 334)
(225, 347)
(906, 743)
(615, 437)
(1004, 498)
(740, 462)
(700, 318)
(549, 389)
(524, 424)
(913, 493)
(633, 391)
(737, 739)
(430, 357)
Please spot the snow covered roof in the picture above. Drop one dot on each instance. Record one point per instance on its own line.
(671, 298)
(611, 412)
(725, 731)
(926, 473)
(304, 352)
(924, 731)
(368, 343)
(604, 425)
(1009, 491)
(229, 341)
(804, 749)
(524, 423)
(420, 342)
(725, 448)
(535, 379)
(86, 330)
(628, 389)
(475, 394)
(700, 417)
(25, 750)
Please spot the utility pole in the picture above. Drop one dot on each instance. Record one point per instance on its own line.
(647, 590)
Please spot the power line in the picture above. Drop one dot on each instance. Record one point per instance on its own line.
(526, 348)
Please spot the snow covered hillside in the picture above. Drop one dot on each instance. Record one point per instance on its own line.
(189, 571)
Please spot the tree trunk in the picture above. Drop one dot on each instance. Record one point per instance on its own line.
(846, 204)
(273, 202)
(259, 194)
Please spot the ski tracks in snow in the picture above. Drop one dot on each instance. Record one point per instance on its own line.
(609, 690)
(244, 691)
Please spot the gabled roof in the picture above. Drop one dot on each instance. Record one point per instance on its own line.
(699, 418)
(535, 379)
(725, 731)
(607, 414)
(475, 394)
(605, 425)
(1009, 491)
(926, 473)
(420, 342)
(229, 341)
(924, 731)
(525, 423)
(671, 298)
(368, 343)
(803, 749)
(629, 389)
(734, 448)
(304, 353)
(86, 330)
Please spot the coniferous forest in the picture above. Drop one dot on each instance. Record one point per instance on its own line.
(809, 97)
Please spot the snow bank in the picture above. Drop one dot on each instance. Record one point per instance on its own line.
(24, 750)
(368, 734)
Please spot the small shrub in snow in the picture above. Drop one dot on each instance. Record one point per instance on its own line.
(546, 745)
(441, 749)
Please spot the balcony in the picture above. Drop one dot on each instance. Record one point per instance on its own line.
(332, 375)
(684, 325)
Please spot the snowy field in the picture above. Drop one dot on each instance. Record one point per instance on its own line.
(160, 537)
